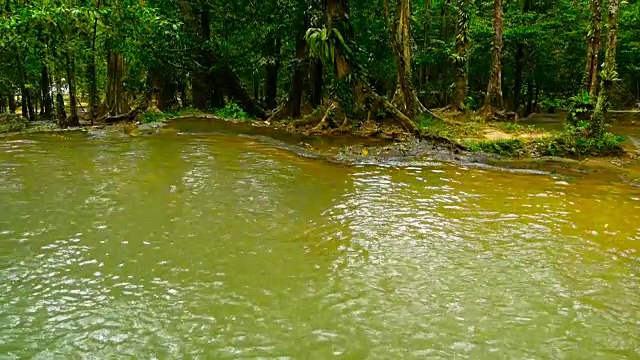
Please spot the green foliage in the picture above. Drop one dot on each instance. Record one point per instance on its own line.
(551, 104)
(576, 141)
(154, 117)
(12, 123)
(580, 109)
(232, 111)
(504, 147)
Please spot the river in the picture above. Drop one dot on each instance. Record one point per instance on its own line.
(222, 246)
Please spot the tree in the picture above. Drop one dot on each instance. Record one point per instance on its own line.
(493, 100)
(609, 74)
(593, 47)
(461, 56)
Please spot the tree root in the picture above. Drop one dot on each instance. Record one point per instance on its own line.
(324, 123)
(281, 112)
(343, 128)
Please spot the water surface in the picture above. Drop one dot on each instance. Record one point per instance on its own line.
(219, 246)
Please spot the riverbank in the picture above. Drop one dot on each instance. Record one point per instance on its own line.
(444, 137)
(438, 146)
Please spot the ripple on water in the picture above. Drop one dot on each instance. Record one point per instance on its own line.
(217, 246)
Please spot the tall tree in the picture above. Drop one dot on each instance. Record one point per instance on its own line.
(493, 100)
(593, 47)
(404, 95)
(520, 62)
(609, 74)
(461, 56)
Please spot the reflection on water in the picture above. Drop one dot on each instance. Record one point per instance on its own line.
(220, 246)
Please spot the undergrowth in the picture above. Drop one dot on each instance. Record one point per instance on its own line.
(575, 141)
(232, 111)
(12, 123)
(152, 117)
(504, 147)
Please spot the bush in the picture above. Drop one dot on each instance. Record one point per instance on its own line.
(232, 111)
(576, 141)
(551, 104)
(504, 147)
(12, 123)
(151, 117)
(580, 108)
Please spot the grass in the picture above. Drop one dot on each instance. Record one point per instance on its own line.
(12, 123)
(230, 111)
(573, 141)
(153, 117)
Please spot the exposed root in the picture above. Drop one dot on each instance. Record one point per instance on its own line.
(344, 128)
(280, 113)
(324, 123)
(308, 120)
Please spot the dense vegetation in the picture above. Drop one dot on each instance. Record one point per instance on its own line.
(108, 60)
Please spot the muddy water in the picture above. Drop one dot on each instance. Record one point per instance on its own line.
(220, 246)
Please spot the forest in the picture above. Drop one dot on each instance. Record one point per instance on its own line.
(343, 61)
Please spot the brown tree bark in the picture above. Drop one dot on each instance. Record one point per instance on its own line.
(116, 100)
(73, 119)
(317, 83)
(462, 57)
(401, 44)
(609, 73)
(423, 75)
(45, 89)
(300, 67)
(520, 60)
(202, 87)
(12, 102)
(593, 48)
(61, 114)
(493, 101)
(94, 97)
(337, 17)
(271, 72)
(444, 68)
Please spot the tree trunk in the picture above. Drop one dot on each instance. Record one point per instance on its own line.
(423, 77)
(493, 101)
(201, 85)
(462, 56)
(299, 67)
(401, 45)
(73, 119)
(61, 114)
(271, 72)
(520, 60)
(47, 99)
(94, 97)
(609, 73)
(30, 108)
(530, 94)
(116, 99)
(12, 102)
(317, 84)
(444, 69)
(593, 48)
(235, 89)
(337, 17)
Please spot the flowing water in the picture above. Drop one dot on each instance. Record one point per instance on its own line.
(220, 246)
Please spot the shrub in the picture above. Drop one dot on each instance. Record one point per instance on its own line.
(576, 141)
(504, 147)
(12, 123)
(232, 111)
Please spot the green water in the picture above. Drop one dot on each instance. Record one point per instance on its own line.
(218, 246)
